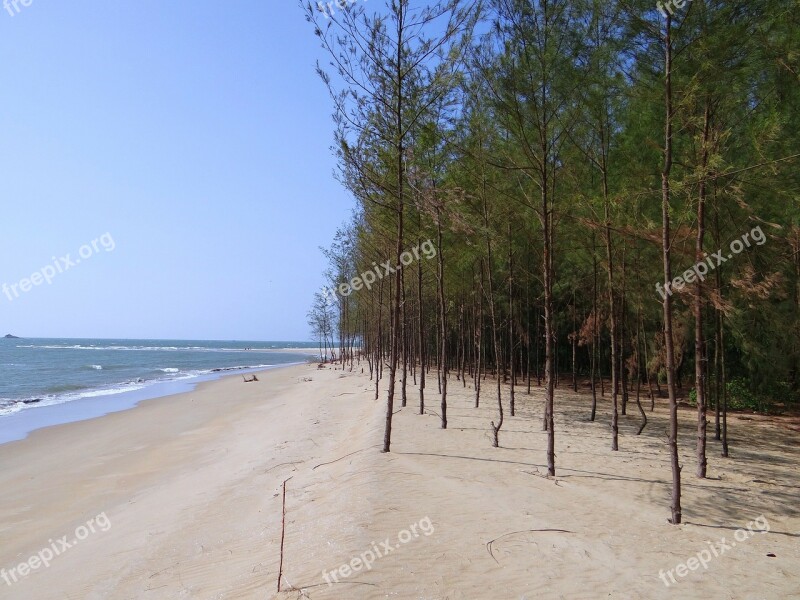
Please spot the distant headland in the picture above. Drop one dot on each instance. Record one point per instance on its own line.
(11, 337)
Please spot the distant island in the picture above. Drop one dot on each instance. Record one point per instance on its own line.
(11, 337)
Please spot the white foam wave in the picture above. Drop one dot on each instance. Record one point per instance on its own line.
(10, 406)
(157, 348)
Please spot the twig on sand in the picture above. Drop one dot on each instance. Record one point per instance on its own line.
(162, 570)
(343, 457)
(281, 464)
(283, 534)
(489, 544)
(304, 590)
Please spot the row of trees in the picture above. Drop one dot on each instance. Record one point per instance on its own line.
(566, 158)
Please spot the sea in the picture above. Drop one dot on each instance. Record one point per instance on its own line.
(47, 382)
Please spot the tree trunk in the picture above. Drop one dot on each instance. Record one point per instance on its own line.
(547, 267)
(574, 344)
(495, 336)
(496, 343)
(511, 318)
(623, 373)
(594, 332)
(699, 341)
(421, 335)
(538, 337)
(395, 337)
(404, 341)
(612, 318)
(528, 328)
(442, 321)
(724, 385)
(464, 340)
(639, 327)
(665, 245)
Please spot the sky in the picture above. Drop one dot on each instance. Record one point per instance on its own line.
(165, 170)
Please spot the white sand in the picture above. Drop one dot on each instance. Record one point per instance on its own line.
(191, 486)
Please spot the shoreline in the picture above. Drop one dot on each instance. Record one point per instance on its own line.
(20, 425)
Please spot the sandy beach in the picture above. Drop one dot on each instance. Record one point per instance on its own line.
(181, 497)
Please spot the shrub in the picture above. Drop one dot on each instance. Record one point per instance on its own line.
(740, 397)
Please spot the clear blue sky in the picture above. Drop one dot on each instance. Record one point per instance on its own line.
(195, 133)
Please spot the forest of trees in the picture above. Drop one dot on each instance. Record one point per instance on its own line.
(613, 197)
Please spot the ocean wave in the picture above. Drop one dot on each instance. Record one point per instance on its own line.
(238, 368)
(64, 387)
(120, 348)
(158, 348)
(11, 406)
(68, 392)
(113, 391)
(10, 409)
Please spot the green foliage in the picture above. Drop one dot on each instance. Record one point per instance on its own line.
(559, 111)
(740, 397)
